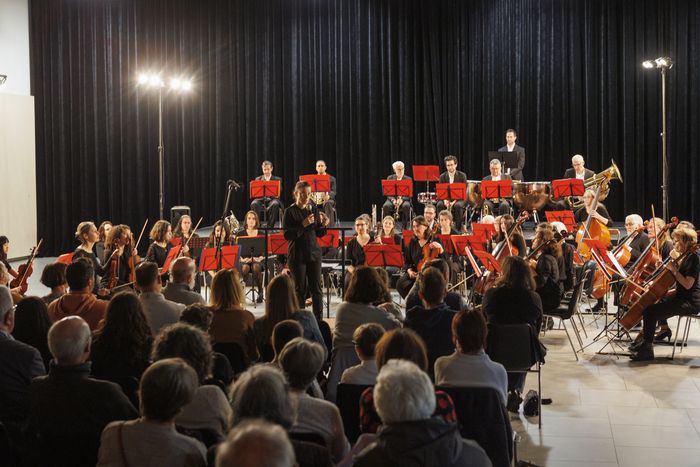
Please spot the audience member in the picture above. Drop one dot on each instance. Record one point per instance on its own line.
(256, 443)
(405, 400)
(32, 325)
(54, 277)
(79, 301)
(283, 332)
(159, 311)
(513, 300)
(182, 281)
(19, 364)
(231, 323)
(5, 280)
(68, 409)
(469, 366)
(301, 360)
(385, 301)
(365, 339)
(261, 392)
(454, 300)
(122, 346)
(433, 320)
(402, 344)
(166, 387)
(364, 289)
(281, 304)
(209, 411)
(199, 316)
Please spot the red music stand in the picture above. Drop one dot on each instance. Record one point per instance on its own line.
(496, 189)
(485, 231)
(264, 189)
(175, 241)
(426, 173)
(209, 260)
(565, 217)
(65, 258)
(388, 241)
(567, 187)
(318, 183)
(488, 261)
(172, 256)
(277, 244)
(330, 240)
(451, 191)
(472, 261)
(446, 241)
(460, 243)
(383, 255)
(403, 188)
(407, 236)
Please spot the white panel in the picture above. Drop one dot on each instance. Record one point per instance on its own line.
(14, 46)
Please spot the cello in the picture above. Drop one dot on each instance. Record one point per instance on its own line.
(25, 271)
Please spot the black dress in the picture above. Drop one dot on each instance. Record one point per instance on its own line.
(413, 254)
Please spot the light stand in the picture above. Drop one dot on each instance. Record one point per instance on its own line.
(663, 64)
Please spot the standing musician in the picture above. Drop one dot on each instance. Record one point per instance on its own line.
(515, 172)
(633, 222)
(452, 175)
(87, 234)
(161, 234)
(272, 206)
(516, 237)
(4, 251)
(102, 230)
(303, 224)
(327, 199)
(355, 250)
(496, 175)
(249, 264)
(429, 213)
(683, 302)
(398, 205)
(420, 248)
(118, 269)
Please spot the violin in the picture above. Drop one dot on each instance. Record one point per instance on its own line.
(429, 254)
(192, 234)
(25, 271)
(506, 248)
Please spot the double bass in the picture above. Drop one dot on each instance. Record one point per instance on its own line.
(592, 229)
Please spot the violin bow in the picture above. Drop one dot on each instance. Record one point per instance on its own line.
(653, 226)
(190, 237)
(143, 229)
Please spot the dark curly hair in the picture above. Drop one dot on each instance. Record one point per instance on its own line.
(188, 343)
(365, 286)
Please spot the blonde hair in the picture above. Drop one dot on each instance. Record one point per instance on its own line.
(226, 290)
(83, 228)
(685, 235)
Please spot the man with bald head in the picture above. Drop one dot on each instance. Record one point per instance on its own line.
(67, 409)
(182, 277)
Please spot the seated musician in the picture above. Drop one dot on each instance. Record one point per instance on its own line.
(429, 213)
(388, 230)
(398, 205)
(102, 230)
(516, 239)
(161, 234)
(249, 264)
(684, 301)
(446, 223)
(183, 232)
(327, 199)
(633, 222)
(271, 206)
(4, 250)
(566, 266)
(452, 175)
(415, 256)
(355, 252)
(548, 261)
(496, 175)
(600, 213)
(664, 244)
(119, 239)
(515, 172)
(578, 169)
(218, 236)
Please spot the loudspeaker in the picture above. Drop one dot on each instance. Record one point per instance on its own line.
(176, 212)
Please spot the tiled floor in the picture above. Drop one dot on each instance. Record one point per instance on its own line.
(606, 411)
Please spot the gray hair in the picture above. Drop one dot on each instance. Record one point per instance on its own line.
(397, 164)
(494, 162)
(69, 339)
(256, 443)
(6, 304)
(301, 361)
(166, 387)
(577, 158)
(403, 393)
(636, 219)
(261, 392)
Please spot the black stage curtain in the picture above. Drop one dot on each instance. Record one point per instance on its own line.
(358, 83)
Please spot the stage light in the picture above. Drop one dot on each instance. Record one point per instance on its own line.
(175, 84)
(155, 81)
(648, 64)
(187, 85)
(664, 62)
(143, 78)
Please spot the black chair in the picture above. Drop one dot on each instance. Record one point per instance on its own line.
(307, 437)
(8, 447)
(348, 401)
(483, 418)
(205, 436)
(235, 354)
(516, 347)
(567, 311)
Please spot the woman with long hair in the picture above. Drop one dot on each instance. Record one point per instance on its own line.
(119, 241)
(100, 246)
(4, 251)
(32, 325)
(516, 238)
(421, 244)
(547, 267)
(249, 264)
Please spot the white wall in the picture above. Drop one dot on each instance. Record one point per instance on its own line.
(18, 219)
(14, 46)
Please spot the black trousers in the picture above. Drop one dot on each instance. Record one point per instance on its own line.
(273, 208)
(457, 212)
(405, 211)
(404, 285)
(307, 278)
(503, 207)
(663, 310)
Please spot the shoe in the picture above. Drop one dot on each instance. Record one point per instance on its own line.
(644, 354)
(260, 299)
(514, 401)
(662, 335)
(635, 346)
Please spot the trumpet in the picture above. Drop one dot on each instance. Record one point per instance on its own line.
(603, 179)
(397, 205)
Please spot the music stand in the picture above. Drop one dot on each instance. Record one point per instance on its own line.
(485, 231)
(508, 159)
(446, 241)
(277, 244)
(251, 247)
(265, 189)
(388, 241)
(565, 217)
(566, 187)
(491, 189)
(318, 183)
(461, 242)
(209, 260)
(330, 240)
(172, 256)
(383, 255)
(427, 174)
(488, 261)
(403, 188)
(451, 191)
(407, 235)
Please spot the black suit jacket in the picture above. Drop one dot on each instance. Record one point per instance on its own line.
(571, 173)
(19, 364)
(272, 177)
(516, 172)
(393, 177)
(460, 177)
